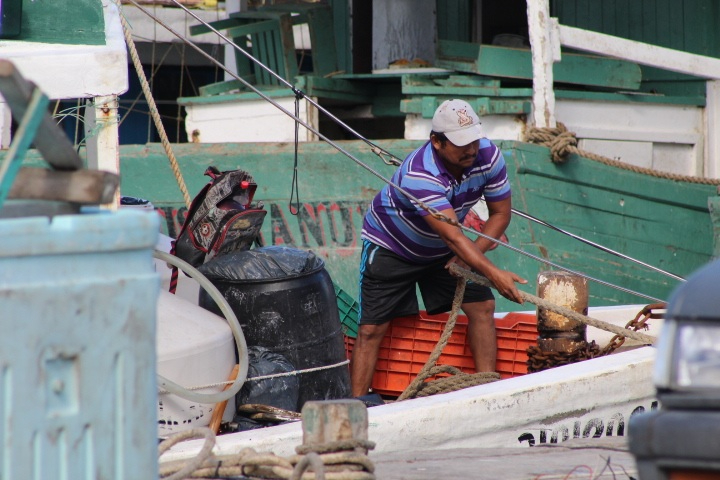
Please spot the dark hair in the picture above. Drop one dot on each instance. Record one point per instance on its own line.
(439, 135)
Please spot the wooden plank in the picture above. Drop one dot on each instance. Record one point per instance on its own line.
(50, 140)
(252, 28)
(544, 53)
(336, 89)
(36, 110)
(517, 63)
(712, 127)
(218, 25)
(642, 53)
(322, 38)
(226, 86)
(714, 206)
(469, 81)
(271, 91)
(419, 85)
(482, 105)
(285, 49)
(85, 187)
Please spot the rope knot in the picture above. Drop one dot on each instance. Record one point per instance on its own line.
(559, 140)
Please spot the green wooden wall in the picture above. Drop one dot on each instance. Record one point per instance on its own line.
(687, 25)
(658, 221)
(74, 22)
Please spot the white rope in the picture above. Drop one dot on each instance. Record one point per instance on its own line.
(266, 377)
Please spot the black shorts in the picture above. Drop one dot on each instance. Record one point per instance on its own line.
(388, 286)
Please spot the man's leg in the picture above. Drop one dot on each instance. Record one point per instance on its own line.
(481, 334)
(364, 357)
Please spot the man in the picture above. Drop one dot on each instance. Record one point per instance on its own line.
(403, 245)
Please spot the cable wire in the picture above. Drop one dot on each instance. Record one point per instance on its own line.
(431, 210)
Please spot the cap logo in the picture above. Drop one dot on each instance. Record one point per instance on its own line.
(463, 118)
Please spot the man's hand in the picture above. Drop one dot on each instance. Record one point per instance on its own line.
(504, 282)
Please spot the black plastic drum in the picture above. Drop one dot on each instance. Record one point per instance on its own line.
(285, 301)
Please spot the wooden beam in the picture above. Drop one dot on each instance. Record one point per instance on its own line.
(218, 25)
(517, 63)
(271, 91)
(85, 187)
(226, 86)
(336, 89)
(427, 105)
(712, 124)
(642, 53)
(50, 140)
(714, 207)
(421, 85)
(543, 57)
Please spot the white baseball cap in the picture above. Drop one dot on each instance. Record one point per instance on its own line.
(458, 121)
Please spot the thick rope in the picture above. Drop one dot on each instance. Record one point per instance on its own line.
(342, 460)
(562, 142)
(457, 381)
(153, 109)
(195, 462)
(566, 312)
(460, 379)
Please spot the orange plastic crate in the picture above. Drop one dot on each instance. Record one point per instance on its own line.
(410, 340)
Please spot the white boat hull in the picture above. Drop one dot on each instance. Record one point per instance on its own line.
(594, 398)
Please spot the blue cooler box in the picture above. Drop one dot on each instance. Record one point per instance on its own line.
(78, 394)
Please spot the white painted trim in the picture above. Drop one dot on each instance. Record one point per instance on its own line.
(103, 146)
(655, 137)
(712, 124)
(5, 125)
(543, 53)
(75, 71)
(642, 53)
(657, 123)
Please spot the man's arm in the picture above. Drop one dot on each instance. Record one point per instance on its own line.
(499, 214)
(474, 256)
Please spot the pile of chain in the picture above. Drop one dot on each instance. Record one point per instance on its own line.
(342, 460)
(539, 360)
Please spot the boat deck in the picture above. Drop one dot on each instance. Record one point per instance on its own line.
(595, 458)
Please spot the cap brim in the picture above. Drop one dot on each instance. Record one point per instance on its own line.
(465, 136)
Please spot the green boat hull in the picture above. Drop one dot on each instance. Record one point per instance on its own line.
(661, 222)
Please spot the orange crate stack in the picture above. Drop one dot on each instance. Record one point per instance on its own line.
(410, 340)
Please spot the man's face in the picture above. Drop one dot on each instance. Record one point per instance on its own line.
(456, 158)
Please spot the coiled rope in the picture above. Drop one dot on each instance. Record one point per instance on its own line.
(340, 460)
(459, 380)
(562, 142)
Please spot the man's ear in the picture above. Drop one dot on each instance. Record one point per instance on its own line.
(436, 143)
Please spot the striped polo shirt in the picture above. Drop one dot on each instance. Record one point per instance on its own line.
(395, 222)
